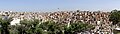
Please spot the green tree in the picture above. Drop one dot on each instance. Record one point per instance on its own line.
(5, 25)
(51, 27)
(77, 27)
(115, 17)
(26, 27)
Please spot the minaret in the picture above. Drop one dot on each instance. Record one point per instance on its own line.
(58, 9)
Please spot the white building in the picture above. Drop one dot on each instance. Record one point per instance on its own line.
(15, 21)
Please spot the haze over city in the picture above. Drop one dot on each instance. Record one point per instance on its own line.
(53, 5)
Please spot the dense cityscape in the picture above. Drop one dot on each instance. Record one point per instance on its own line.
(100, 20)
(59, 16)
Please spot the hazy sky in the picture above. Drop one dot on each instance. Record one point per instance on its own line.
(49, 5)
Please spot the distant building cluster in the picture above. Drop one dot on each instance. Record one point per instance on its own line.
(99, 19)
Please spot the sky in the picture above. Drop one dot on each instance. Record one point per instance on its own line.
(53, 5)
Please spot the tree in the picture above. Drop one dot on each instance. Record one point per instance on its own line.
(77, 27)
(5, 25)
(51, 27)
(115, 17)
